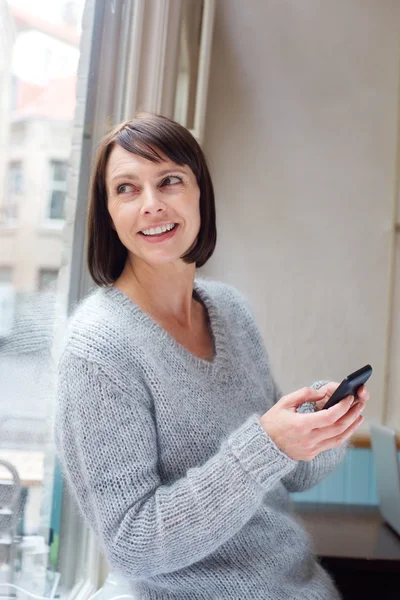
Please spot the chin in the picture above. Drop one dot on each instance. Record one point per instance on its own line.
(157, 256)
(155, 261)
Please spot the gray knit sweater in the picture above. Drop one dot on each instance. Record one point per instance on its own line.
(167, 459)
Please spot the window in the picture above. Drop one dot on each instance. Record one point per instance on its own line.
(58, 187)
(13, 192)
(6, 275)
(15, 178)
(36, 128)
(114, 60)
(6, 302)
(47, 279)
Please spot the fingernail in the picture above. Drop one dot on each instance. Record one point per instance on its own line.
(360, 406)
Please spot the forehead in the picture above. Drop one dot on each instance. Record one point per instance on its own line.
(122, 161)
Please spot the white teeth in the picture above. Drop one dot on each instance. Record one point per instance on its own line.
(158, 230)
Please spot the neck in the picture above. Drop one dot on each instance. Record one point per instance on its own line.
(164, 291)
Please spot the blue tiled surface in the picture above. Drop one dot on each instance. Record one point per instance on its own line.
(353, 482)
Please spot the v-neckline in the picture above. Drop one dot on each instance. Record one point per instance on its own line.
(217, 328)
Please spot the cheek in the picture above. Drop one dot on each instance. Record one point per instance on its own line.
(192, 208)
(124, 217)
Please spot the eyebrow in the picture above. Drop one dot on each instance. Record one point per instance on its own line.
(159, 174)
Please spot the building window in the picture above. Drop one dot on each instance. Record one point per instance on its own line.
(47, 279)
(6, 275)
(58, 189)
(7, 302)
(15, 180)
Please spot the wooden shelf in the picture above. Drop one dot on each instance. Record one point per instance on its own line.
(363, 440)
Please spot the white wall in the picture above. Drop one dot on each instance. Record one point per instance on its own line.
(301, 137)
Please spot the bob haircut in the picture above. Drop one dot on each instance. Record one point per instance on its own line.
(153, 137)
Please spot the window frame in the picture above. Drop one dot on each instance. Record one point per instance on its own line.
(133, 47)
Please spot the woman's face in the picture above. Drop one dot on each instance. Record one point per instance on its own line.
(144, 196)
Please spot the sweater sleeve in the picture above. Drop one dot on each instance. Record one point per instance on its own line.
(106, 442)
(306, 474)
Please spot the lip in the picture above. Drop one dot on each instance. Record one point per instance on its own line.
(162, 238)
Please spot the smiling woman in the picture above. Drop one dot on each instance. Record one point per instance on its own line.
(171, 430)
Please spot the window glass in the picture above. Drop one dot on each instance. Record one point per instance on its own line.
(58, 185)
(39, 54)
(59, 170)
(57, 204)
(13, 192)
(15, 178)
(47, 279)
(5, 275)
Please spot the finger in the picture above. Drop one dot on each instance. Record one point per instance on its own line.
(329, 388)
(341, 425)
(363, 393)
(338, 440)
(301, 396)
(324, 418)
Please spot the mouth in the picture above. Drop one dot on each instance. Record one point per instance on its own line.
(160, 237)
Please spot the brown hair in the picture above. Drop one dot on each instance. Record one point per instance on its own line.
(148, 136)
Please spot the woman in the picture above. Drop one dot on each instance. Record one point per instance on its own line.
(174, 438)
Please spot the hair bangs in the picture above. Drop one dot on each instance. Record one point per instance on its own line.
(138, 144)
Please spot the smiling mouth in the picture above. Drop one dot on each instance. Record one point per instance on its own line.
(160, 236)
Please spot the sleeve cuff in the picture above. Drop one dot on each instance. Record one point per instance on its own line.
(311, 407)
(258, 454)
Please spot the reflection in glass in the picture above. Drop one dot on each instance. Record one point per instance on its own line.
(189, 55)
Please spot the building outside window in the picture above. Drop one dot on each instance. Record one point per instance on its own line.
(38, 76)
(58, 189)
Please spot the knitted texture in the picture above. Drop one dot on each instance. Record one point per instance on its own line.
(169, 463)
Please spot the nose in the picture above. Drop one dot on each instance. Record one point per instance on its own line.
(152, 202)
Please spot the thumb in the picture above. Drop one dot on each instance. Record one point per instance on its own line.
(301, 396)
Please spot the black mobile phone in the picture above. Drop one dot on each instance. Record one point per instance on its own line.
(350, 385)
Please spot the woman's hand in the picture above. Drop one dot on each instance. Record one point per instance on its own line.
(329, 388)
(304, 436)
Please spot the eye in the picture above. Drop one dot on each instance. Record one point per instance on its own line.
(172, 180)
(123, 188)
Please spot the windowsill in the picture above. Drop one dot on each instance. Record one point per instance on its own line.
(8, 228)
